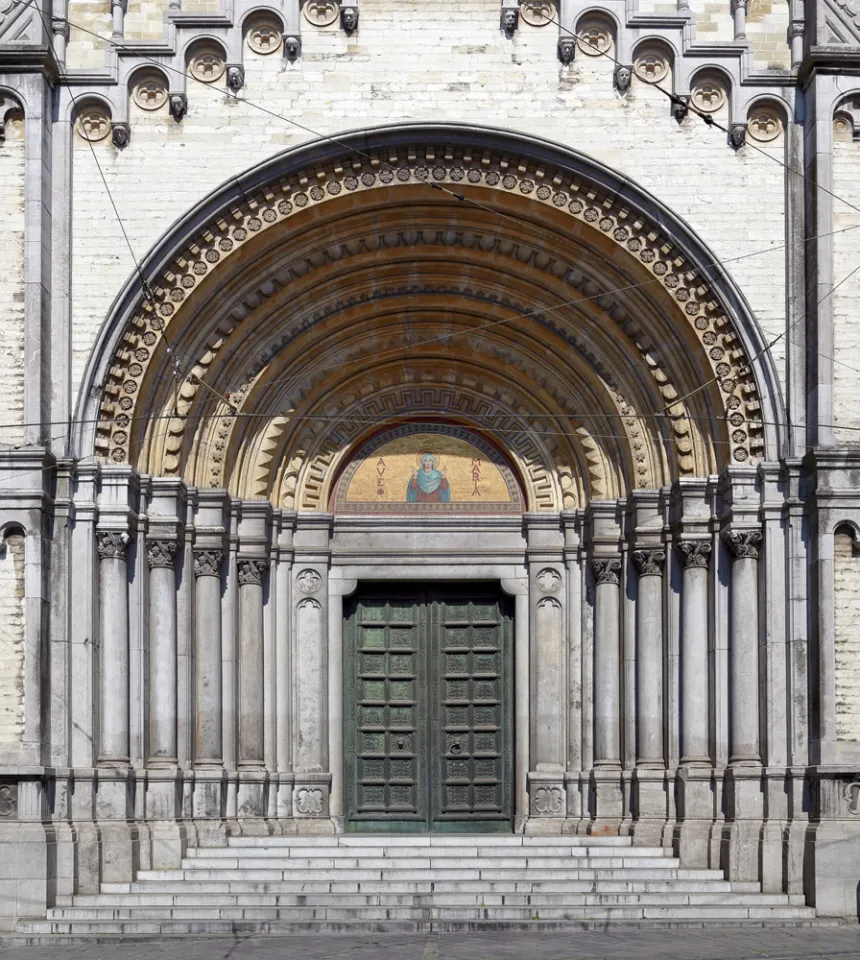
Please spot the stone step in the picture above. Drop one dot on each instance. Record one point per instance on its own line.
(233, 853)
(395, 874)
(547, 849)
(336, 864)
(106, 907)
(420, 887)
(426, 840)
(330, 920)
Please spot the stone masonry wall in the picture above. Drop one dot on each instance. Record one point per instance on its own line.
(846, 572)
(12, 282)
(12, 641)
(412, 61)
(846, 299)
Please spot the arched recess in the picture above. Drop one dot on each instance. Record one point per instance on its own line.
(503, 282)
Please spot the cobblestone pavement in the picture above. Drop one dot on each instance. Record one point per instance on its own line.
(821, 943)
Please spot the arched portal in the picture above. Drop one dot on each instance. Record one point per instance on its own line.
(509, 285)
(439, 378)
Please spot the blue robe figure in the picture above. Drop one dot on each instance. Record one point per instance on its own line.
(427, 484)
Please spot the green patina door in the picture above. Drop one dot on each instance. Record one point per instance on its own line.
(428, 710)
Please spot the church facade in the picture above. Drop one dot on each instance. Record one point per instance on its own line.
(429, 418)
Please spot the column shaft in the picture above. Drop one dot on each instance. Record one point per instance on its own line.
(695, 711)
(744, 666)
(113, 662)
(649, 658)
(251, 697)
(162, 653)
(207, 686)
(607, 655)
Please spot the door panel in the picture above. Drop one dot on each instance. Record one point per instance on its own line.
(385, 736)
(428, 728)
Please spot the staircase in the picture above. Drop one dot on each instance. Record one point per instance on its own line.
(364, 884)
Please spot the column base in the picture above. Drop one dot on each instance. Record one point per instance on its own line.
(650, 803)
(608, 795)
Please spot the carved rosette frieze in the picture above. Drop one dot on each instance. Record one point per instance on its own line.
(161, 553)
(207, 563)
(112, 544)
(742, 544)
(649, 563)
(8, 801)
(606, 571)
(252, 570)
(309, 802)
(694, 553)
(308, 581)
(295, 194)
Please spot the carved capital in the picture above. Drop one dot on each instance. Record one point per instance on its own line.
(60, 27)
(649, 563)
(694, 553)
(207, 563)
(112, 545)
(742, 543)
(252, 570)
(606, 571)
(160, 553)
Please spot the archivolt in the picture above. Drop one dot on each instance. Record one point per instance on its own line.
(333, 257)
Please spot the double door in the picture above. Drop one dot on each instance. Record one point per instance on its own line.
(427, 715)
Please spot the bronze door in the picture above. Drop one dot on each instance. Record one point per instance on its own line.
(427, 721)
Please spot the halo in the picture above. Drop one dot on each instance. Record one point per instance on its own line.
(424, 456)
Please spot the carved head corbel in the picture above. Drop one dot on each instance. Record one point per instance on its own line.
(566, 48)
(349, 17)
(292, 46)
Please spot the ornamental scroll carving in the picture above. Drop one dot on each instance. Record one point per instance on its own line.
(742, 544)
(557, 188)
(161, 553)
(112, 545)
(649, 563)
(252, 570)
(606, 571)
(694, 553)
(207, 563)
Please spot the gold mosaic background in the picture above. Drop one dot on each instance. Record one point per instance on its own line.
(394, 462)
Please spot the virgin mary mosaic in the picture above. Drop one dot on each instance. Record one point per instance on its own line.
(427, 468)
(427, 484)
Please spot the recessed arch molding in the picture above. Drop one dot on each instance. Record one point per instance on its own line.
(536, 296)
